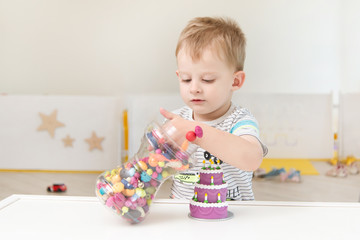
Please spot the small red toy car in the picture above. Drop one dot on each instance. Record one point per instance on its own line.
(57, 187)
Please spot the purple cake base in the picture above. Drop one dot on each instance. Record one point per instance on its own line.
(208, 212)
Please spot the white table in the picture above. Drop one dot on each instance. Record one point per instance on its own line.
(63, 217)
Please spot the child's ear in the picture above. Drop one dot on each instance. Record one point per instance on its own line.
(178, 74)
(239, 78)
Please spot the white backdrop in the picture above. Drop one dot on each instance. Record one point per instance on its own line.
(349, 125)
(293, 125)
(91, 47)
(23, 147)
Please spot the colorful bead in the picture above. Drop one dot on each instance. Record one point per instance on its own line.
(126, 183)
(158, 169)
(115, 179)
(154, 183)
(137, 175)
(131, 172)
(165, 174)
(150, 190)
(198, 131)
(114, 172)
(145, 177)
(153, 162)
(140, 192)
(118, 187)
(110, 202)
(128, 192)
(141, 185)
(141, 201)
(102, 191)
(143, 165)
(130, 204)
(190, 136)
(124, 210)
(133, 180)
(149, 171)
(185, 145)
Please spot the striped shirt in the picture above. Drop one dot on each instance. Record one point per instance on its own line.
(238, 121)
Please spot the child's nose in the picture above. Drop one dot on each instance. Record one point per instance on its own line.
(195, 87)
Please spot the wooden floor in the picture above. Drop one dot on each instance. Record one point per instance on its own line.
(319, 188)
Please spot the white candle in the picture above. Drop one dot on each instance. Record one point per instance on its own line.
(206, 201)
(218, 164)
(212, 180)
(219, 200)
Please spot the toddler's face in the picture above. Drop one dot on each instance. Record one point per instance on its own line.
(206, 85)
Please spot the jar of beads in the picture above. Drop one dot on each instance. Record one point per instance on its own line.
(128, 190)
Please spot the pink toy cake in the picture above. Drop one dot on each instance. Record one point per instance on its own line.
(209, 201)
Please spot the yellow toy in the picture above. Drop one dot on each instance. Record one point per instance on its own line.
(334, 161)
(349, 160)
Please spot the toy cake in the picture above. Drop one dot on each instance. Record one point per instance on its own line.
(209, 201)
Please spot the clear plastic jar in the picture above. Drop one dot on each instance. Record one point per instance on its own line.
(129, 189)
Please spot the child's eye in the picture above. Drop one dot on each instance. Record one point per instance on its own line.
(209, 80)
(186, 80)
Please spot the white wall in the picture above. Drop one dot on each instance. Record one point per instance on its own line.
(350, 48)
(91, 47)
(23, 146)
(349, 128)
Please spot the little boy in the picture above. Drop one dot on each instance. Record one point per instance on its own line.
(210, 58)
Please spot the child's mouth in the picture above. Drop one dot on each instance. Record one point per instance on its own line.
(197, 100)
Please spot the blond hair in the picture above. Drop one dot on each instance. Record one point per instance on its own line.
(223, 34)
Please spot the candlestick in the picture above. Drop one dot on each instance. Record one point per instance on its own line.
(218, 164)
(219, 200)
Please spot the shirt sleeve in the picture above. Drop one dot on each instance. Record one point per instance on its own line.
(248, 125)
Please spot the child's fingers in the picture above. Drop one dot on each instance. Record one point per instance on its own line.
(168, 115)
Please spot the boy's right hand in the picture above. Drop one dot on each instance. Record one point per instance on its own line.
(176, 126)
